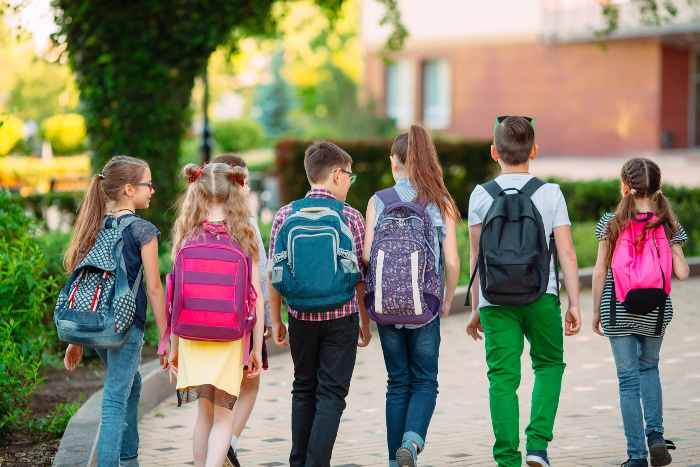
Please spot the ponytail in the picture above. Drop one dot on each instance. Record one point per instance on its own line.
(90, 213)
(426, 175)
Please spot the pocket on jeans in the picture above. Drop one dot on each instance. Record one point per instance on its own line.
(345, 330)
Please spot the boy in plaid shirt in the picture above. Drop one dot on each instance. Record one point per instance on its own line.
(323, 345)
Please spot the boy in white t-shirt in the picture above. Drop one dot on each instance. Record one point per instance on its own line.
(505, 326)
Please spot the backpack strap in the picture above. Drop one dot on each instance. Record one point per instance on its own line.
(492, 188)
(532, 186)
(389, 196)
(467, 301)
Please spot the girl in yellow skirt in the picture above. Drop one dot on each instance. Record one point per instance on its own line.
(211, 372)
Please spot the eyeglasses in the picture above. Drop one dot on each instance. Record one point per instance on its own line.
(503, 117)
(148, 184)
(352, 176)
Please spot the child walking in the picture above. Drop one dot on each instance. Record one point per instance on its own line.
(126, 182)
(249, 386)
(522, 289)
(643, 228)
(211, 372)
(411, 350)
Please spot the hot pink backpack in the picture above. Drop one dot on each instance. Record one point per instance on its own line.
(209, 295)
(642, 273)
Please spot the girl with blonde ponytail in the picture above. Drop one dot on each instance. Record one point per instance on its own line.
(211, 372)
(126, 184)
(411, 352)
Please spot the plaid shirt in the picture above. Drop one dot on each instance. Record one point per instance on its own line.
(356, 223)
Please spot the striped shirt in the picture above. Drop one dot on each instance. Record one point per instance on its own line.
(357, 225)
(625, 322)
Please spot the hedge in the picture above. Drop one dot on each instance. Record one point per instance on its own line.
(465, 164)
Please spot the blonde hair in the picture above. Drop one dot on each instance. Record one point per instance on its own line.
(116, 174)
(214, 185)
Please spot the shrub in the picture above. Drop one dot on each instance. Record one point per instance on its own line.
(22, 171)
(465, 165)
(66, 133)
(239, 134)
(11, 132)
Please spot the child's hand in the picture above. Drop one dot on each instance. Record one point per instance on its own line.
(268, 332)
(172, 363)
(474, 325)
(74, 354)
(573, 321)
(164, 358)
(279, 332)
(446, 308)
(254, 362)
(365, 335)
(597, 323)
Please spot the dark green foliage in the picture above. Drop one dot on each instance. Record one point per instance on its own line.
(239, 134)
(465, 165)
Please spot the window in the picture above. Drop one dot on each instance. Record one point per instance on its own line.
(437, 108)
(399, 93)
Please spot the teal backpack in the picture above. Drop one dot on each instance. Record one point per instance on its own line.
(314, 265)
(96, 307)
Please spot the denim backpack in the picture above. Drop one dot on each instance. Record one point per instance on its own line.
(514, 256)
(403, 286)
(641, 271)
(314, 265)
(96, 307)
(209, 295)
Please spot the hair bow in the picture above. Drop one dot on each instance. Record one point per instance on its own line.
(194, 177)
(101, 175)
(238, 180)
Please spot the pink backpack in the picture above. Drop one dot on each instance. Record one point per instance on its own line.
(209, 295)
(642, 273)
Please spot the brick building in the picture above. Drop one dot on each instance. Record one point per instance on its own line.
(468, 61)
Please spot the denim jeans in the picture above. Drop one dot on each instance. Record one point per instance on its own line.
(119, 436)
(324, 355)
(637, 362)
(411, 360)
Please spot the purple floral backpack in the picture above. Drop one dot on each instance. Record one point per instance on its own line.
(403, 286)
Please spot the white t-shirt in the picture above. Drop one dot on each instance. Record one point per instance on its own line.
(549, 201)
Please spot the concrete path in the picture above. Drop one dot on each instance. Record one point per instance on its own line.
(588, 430)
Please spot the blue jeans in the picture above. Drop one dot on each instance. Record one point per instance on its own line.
(637, 362)
(119, 436)
(411, 359)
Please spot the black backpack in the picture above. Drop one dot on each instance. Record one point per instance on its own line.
(513, 260)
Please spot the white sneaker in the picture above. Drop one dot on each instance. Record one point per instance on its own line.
(535, 461)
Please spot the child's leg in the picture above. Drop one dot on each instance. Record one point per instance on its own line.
(122, 367)
(245, 402)
(544, 331)
(504, 343)
(650, 383)
(202, 429)
(625, 351)
(220, 436)
(424, 345)
(398, 386)
(130, 440)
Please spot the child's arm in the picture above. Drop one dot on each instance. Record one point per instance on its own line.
(451, 256)
(279, 330)
(369, 233)
(255, 359)
(600, 272)
(569, 267)
(154, 289)
(172, 358)
(680, 265)
(474, 325)
(365, 330)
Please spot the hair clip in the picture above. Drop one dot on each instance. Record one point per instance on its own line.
(194, 177)
(633, 191)
(238, 180)
(659, 192)
(101, 175)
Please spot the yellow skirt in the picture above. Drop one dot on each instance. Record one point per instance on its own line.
(210, 370)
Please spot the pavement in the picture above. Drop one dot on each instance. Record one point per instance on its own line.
(588, 430)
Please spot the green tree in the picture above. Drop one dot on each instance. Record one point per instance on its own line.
(273, 99)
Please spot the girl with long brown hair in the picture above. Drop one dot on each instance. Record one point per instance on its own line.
(126, 183)
(211, 372)
(635, 335)
(411, 352)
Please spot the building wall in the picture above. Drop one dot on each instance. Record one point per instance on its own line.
(585, 100)
(675, 75)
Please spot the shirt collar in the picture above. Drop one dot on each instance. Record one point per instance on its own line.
(319, 193)
(405, 181)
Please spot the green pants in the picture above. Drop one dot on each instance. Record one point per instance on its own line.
(504, 328)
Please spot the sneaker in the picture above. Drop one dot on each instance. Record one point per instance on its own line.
(406, 455)
(635, 463)
(658, 449)
(231, 458)
(537, 458)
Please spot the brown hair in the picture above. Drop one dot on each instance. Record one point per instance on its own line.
(118, 172)
(231, 159)
(644, 177)
(215, 185)
(322, 157)
(416, 151)
(514, 139)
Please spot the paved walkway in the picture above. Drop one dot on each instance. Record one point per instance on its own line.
(588, 430)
